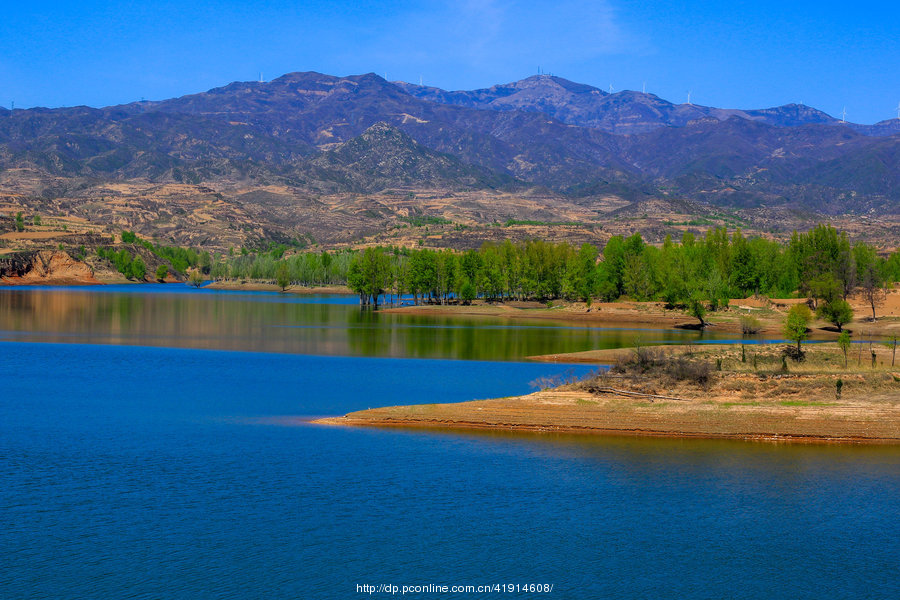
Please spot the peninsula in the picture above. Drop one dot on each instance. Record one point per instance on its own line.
(749, 392)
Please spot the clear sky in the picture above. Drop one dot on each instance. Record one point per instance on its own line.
(735, 54)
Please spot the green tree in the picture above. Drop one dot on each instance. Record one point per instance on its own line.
(138, 268)
(843, 343)
(20, 222)
(837, 312)
(636, 282)
(467, 292)
(162, 271)
(283, 275)
(614, 263)
(37, 219)
(697, 308)
(205, 261)
(369, 275)
(796, 325)
(825, 288)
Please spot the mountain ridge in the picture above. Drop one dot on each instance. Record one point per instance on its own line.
(307, 131)
(621, 112)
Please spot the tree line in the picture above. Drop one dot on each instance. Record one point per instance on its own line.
(695, 271)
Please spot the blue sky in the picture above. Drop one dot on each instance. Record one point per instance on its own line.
(730, 54)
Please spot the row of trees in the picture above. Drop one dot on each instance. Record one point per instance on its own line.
(821, 264)
(304, 268)
(696, 272)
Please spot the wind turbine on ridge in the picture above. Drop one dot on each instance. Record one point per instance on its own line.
(898, 111)
(844, 115)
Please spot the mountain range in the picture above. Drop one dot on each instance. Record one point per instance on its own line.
(320, 134)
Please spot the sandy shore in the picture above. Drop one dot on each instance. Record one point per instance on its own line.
(852, 421)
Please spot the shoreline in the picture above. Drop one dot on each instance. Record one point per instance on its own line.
(215, 285)
(347, 421)
(257, 286)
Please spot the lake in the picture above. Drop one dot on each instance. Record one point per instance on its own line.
(154, 444)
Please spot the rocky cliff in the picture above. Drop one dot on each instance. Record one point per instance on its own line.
(44, 267)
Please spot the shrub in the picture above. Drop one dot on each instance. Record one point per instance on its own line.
(162, 271)
(196, 278)
(843, 343)
(658, 362)
(750, 325)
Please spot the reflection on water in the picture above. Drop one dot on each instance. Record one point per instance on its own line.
(177, 316)
(146, 472)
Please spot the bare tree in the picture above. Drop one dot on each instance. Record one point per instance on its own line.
(870, 284)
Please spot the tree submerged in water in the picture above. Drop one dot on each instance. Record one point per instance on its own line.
(196, 278)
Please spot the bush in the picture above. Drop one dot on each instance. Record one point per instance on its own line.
(656, 361)
(162, 271)
(750, 325)
(196, 278)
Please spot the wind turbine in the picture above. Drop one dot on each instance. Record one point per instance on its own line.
(898, 110)
(844, 115)
(644, 88)
(689, 97)
(420, 81)
(610, 88)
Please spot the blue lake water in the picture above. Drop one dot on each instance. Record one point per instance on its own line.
(133, 471)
